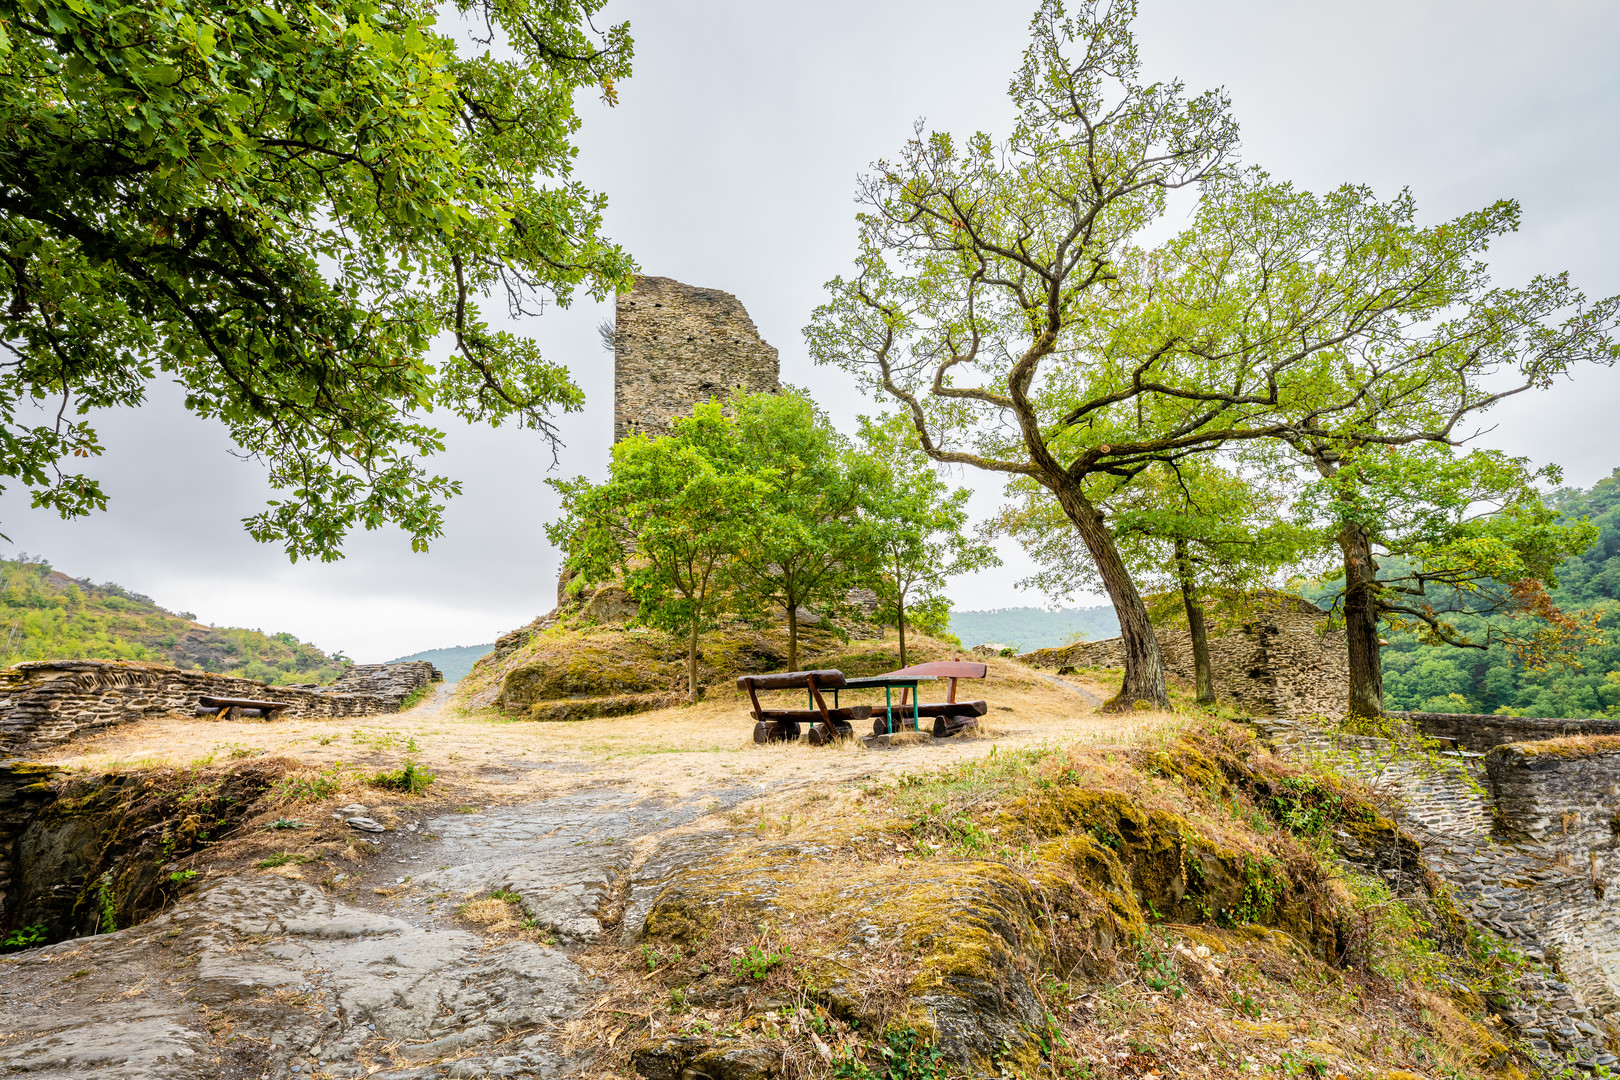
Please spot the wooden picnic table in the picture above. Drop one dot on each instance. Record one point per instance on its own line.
(897, 680)
(226, 708)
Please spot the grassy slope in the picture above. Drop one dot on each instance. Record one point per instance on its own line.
(46, 615)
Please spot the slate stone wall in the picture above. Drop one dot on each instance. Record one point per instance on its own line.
(1282, 662)
(1561, 792)
(675, 346)
(43, 703)
(1480, 732)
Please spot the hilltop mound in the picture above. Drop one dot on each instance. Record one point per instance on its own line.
(47, 615)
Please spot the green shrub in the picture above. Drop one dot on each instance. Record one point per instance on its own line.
(410, 778)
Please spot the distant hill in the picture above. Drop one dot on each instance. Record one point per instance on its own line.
(455, 662)
(47, 615)
(1032, 627)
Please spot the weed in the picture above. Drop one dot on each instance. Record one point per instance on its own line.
(1159, 971)
(756, 963)
(309, 786)
(22, 939)
(325, 740)
(107, 902)
(903, 1055)
(180, 877)
(288, 823)
(506, 896)
(282, 858)
(410, 778)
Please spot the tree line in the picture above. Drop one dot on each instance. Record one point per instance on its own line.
(759, 503)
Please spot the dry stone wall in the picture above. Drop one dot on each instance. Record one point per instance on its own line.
(46, 702)
(1563, 793)
(675, 346)
(1282, 662)
(1480, 732)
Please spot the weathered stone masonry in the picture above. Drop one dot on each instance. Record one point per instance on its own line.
(1280, 662)
(46, 702)
(675, 346)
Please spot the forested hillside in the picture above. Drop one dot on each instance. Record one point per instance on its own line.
(454, 662)
(1444, 679)
(46, 615)
(1033, 628)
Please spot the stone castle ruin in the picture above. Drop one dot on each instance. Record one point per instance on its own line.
(1281, 659)
(676, 346)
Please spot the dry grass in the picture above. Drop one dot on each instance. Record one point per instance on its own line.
(479, 756)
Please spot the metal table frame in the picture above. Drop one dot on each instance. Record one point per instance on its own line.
(889, 686)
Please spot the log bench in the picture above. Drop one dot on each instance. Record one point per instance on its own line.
(950, 716)
(784, 725)
(224, 708)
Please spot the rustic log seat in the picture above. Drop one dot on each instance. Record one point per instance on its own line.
(950, 716)
(782, 725)
(239, 708)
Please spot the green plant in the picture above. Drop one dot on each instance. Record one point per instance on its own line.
(23, 938)
(903, 1055)
(410, 778)
(1159, 971)
(282, 858)
(309, 786)
(288, 823)
(180, 877)
(107, 902)
(756, 963)
(506, 896)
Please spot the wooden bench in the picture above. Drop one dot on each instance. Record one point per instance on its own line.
(782, 725)
(225, 708)
(950, 716)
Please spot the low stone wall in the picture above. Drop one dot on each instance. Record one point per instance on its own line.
(1561, 792)
(1480, 732)
(43, 703)
(391, 682)
(1278, 663)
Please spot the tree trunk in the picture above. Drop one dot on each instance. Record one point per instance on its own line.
(1144, 666)
(900, 619)
(793, 636)
(691, 665)
(1361, 623)
(1203, 671)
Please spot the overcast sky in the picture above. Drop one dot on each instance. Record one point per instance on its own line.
(730, 163)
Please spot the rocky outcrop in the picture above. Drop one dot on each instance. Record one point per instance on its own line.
(675, 346)
(45, 702)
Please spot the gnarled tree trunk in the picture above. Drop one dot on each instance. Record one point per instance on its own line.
(1144, 666)
(1203, 671)
(1361, 623)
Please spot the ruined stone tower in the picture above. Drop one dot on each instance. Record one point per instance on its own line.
(674, 346)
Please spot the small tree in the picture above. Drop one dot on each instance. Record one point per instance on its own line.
(806, 543)
(1186, 529)
(917, 524)
(1459, 549)
(670, 516)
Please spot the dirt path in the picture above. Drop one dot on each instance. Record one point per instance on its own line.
(373, 966)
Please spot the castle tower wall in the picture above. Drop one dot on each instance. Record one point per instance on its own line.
(677, 345)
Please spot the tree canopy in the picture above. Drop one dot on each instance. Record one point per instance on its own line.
(295, 209)
(1003, 294)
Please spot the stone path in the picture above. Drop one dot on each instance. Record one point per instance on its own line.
(324, 985)
(1526, 893)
